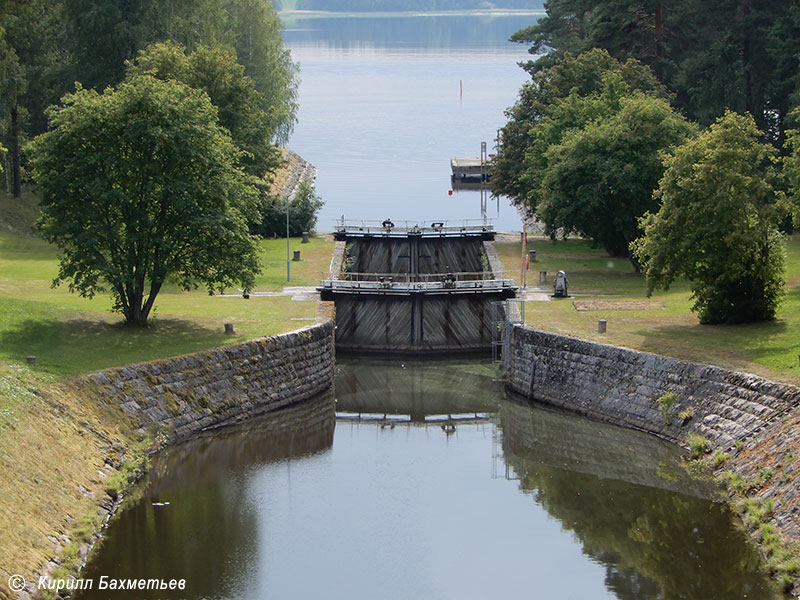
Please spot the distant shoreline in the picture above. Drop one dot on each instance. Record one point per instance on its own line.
(478, 12)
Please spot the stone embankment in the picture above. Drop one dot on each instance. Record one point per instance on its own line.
(622, 386)
(754, 423)
(295, 171)
(174, 399)
(177, 397)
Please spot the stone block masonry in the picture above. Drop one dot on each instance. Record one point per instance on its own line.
(177, 397)
(754, 421)
(622, 386)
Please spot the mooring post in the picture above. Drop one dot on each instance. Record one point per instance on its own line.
(601, 326)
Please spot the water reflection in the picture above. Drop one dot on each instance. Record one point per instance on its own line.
(632, 507)
(196, 520)
(524, 502)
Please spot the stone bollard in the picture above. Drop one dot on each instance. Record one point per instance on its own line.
(229, 328)
(542, 276)
(31, 360)
(601, 326)
(305, 238)
(296, 257)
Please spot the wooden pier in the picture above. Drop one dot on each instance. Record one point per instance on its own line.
(417, 289)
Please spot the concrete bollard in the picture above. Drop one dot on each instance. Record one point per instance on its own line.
(296, 257)
(31, 360)
(305, 238)
(229, 328)
(542, 276)
(601, 326)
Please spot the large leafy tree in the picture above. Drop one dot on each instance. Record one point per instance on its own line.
(29, 66)
(717, 225)
(599, 179)
(215, 71)
(730, 54)
(141, 184)
(103, 34)
(549, 105)
(257, 36)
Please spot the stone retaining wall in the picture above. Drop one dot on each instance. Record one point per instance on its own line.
(177, 397)
(621, 386)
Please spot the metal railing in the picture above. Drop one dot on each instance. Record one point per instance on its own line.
(404, 228)
(416, 277)
(390, 285)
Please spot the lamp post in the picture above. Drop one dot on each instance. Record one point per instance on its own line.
(288, 262)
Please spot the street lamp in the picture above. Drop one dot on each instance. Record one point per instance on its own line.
(288, 262)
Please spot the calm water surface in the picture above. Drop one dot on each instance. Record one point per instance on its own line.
(385, 103)
(510, 501)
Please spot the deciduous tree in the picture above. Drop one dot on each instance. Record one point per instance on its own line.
(215, 71)
(140, 184)
(552, 98)
(717, 225)
(599, 179)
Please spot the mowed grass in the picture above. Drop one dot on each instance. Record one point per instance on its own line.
(770, 349)
(69, 334)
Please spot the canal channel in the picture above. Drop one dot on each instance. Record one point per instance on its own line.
(424, 479)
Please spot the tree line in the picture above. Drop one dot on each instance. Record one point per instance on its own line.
(150, 129)
(48, 45)
(665, 132)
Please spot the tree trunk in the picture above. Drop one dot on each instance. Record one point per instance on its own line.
(659, 17)
(748, 81)
(16, 176)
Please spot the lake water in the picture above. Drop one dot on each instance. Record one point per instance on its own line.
(385, 103)
(376, 494)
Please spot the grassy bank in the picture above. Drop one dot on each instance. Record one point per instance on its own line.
(69, 334)
(60, 456)
(667, 325)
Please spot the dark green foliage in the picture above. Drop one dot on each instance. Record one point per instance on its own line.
(103, 34)
(216, 72)
(303, 209)
(548, 93)
(737, 54)
(140, 184)
(717, 225)
(599, 179)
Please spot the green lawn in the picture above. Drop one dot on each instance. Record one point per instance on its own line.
(770, 349)
(69, 334)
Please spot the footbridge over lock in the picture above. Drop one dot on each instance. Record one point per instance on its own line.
(415, 288)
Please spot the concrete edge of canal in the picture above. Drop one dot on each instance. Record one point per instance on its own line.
(751, 423)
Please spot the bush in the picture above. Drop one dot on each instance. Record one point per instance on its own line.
(303, 209)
